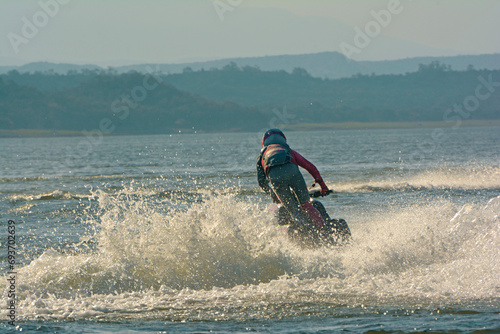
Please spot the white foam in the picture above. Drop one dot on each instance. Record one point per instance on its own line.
(464, 178)
(223, 255)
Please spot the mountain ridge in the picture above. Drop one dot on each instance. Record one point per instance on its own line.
(240, 99)
(329, 65)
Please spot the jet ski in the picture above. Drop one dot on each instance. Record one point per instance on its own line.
(336, 232)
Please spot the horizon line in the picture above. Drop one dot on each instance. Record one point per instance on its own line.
(103, 64)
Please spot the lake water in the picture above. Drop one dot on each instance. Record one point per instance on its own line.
(171, 233)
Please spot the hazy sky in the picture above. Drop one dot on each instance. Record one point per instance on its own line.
(117, 32)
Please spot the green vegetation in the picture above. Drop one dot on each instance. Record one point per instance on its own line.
(387, 125)
(424, 95)
(130, 103)
(240, 99)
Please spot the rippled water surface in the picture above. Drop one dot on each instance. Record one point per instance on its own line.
(146, 234)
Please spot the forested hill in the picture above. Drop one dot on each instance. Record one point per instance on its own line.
(420, 96)
(240, 99)
(122, 104)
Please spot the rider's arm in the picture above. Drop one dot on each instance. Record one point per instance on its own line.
(261, 176)
(304, 163)
(263, 181)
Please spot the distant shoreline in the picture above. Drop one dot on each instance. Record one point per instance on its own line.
(390, 125)
(27, 133)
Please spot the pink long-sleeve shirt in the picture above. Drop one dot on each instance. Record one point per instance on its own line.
(306, 164)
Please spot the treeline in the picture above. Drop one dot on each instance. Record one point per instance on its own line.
(240, 99)
(420, 96)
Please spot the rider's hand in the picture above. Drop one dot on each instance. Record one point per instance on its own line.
(323, 186)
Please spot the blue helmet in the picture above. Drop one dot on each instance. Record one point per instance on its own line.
(273, 136)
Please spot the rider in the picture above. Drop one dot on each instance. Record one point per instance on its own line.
(278, 164)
